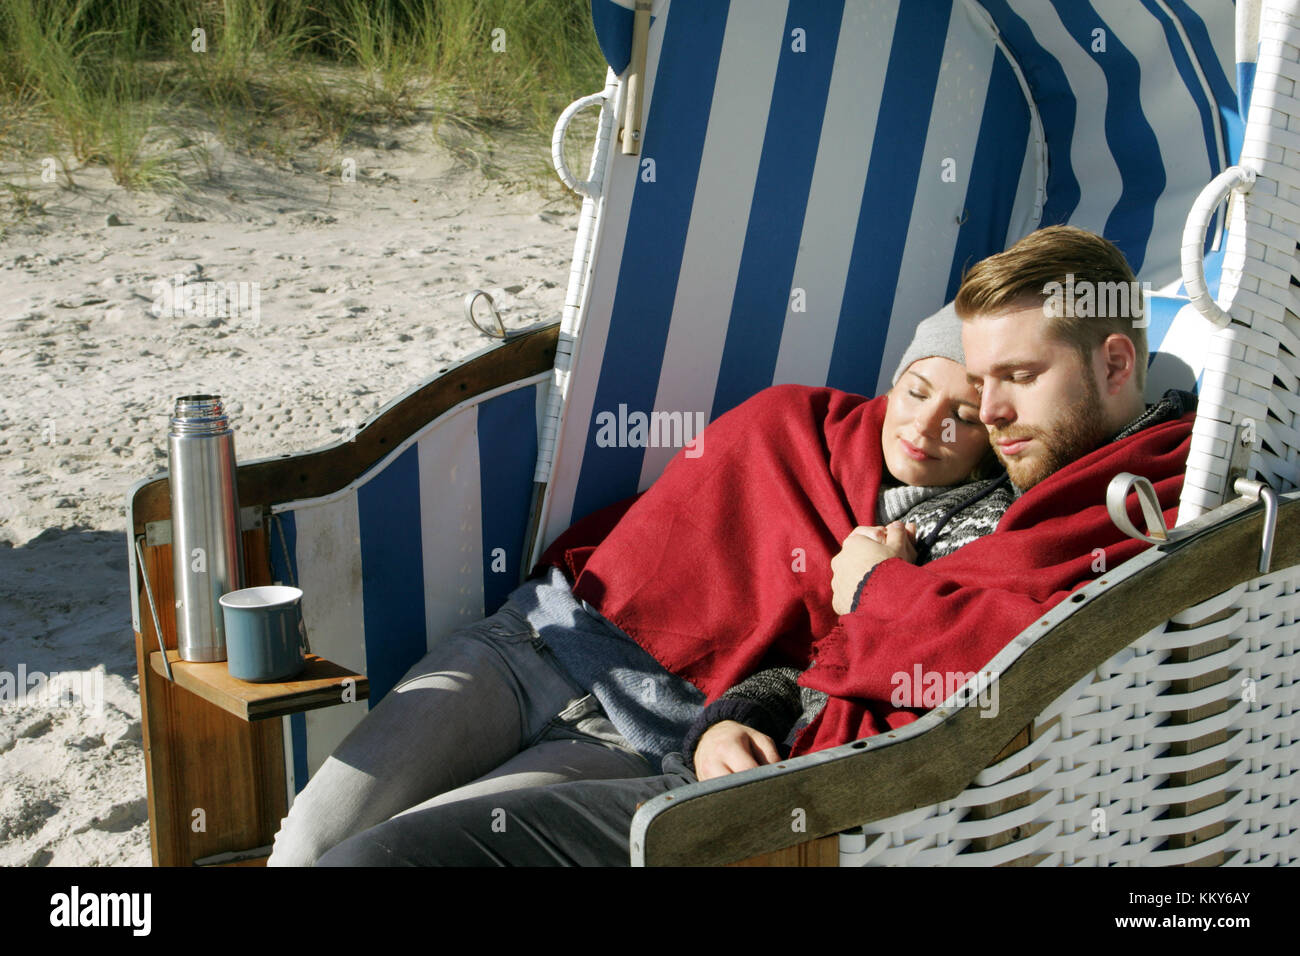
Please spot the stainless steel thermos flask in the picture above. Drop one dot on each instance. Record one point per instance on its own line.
(207, 551)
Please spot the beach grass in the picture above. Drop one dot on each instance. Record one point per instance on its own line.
(119, 83)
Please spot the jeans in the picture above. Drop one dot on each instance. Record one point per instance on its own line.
(487, 711)
(581, 823)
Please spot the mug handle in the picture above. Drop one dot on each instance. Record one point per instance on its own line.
(302, 632)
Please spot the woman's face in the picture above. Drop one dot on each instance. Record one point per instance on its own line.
(932, 433)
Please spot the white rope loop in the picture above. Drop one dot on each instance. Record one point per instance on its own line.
(1198, 221)
(583, 187)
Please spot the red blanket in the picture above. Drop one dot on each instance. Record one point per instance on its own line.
(723, 566)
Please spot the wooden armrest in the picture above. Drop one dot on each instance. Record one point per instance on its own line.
(936, 757)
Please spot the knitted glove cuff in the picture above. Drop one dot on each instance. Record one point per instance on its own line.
(742, 711)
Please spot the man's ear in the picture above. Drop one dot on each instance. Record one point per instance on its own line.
(1119, 362)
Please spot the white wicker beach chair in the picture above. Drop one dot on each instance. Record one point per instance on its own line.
(804, 182)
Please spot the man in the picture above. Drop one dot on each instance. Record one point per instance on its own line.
(1061, 396)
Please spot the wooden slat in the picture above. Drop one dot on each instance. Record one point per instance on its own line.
(321, 684)
(936, 758)
(153, 726)
(996, 808)
(821, 852)
(254, 856)
(1181, 748)
(315, 473)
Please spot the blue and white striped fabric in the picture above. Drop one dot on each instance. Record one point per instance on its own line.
(428, 539)
(816, 174)
(1247, 50)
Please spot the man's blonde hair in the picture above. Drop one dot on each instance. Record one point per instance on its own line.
(1058, 266)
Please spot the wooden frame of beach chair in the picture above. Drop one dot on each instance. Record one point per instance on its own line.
(426, 519)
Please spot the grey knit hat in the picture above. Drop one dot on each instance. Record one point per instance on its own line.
(939, 335)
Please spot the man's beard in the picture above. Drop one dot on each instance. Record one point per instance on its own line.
(1081, 430)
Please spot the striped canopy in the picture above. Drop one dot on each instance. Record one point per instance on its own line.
(816, 174)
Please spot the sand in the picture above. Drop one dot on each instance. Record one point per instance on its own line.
(359, 298)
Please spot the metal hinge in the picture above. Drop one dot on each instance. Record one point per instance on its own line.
(160, 532)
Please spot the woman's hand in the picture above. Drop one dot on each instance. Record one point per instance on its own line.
(861, 551)
(729, 746)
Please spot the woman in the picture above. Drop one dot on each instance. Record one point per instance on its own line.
(550, 693)
(920, 521)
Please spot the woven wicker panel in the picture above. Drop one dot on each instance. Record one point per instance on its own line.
(1253, 370)
(1180, 749)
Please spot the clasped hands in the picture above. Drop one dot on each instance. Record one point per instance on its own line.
(729, 746)
(862, 550)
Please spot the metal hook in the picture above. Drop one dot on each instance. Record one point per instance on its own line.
(1243, 443)
(153, 608)
(470, 299)
(1255, 490)
(1117, 506)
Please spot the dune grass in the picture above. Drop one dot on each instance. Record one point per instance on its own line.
(120, 83)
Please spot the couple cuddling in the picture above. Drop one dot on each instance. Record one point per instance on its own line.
(762, 600)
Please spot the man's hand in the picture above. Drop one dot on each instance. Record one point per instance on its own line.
(729, 746)
(861, 551)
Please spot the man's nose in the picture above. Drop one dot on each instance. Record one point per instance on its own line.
(994, 407)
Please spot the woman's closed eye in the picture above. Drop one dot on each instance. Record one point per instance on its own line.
(971, 416)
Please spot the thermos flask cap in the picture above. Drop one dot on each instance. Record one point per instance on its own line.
(199, 415)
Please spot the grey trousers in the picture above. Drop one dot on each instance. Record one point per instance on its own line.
(584, 823)
(488, 711)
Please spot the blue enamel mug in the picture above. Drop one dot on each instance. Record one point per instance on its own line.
(265, 634)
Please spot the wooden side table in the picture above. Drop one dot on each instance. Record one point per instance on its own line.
(321, 684)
